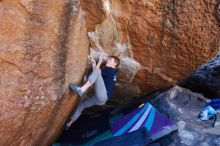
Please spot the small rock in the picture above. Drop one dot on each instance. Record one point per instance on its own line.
(217, 141)
(187, 137)
(204, 144)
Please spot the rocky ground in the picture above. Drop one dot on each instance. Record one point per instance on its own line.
(183, 106)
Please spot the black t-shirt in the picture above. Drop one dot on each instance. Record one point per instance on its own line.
(109, 75)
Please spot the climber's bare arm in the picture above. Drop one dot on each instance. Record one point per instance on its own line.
(99, 62)
(93, 62)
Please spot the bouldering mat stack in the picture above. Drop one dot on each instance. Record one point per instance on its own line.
(145, 121)
(141, 126)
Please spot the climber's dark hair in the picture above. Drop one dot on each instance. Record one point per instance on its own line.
(116, 59)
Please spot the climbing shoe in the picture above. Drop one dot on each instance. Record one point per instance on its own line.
(66, 127)
(76, 89)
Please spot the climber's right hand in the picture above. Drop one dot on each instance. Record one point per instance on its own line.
(101, 58)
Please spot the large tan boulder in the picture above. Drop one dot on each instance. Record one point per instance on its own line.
(158, 41)
(43, 47)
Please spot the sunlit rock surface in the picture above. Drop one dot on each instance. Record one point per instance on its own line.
(159, 42)
(43, 47)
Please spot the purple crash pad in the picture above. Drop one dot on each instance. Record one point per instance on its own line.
(156, 124)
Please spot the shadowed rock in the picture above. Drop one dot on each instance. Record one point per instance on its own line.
(206, 79)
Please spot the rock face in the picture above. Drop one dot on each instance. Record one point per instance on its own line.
(44, 46)
(206, 79)
(39, 49)
(159, 42)
(183, 106)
